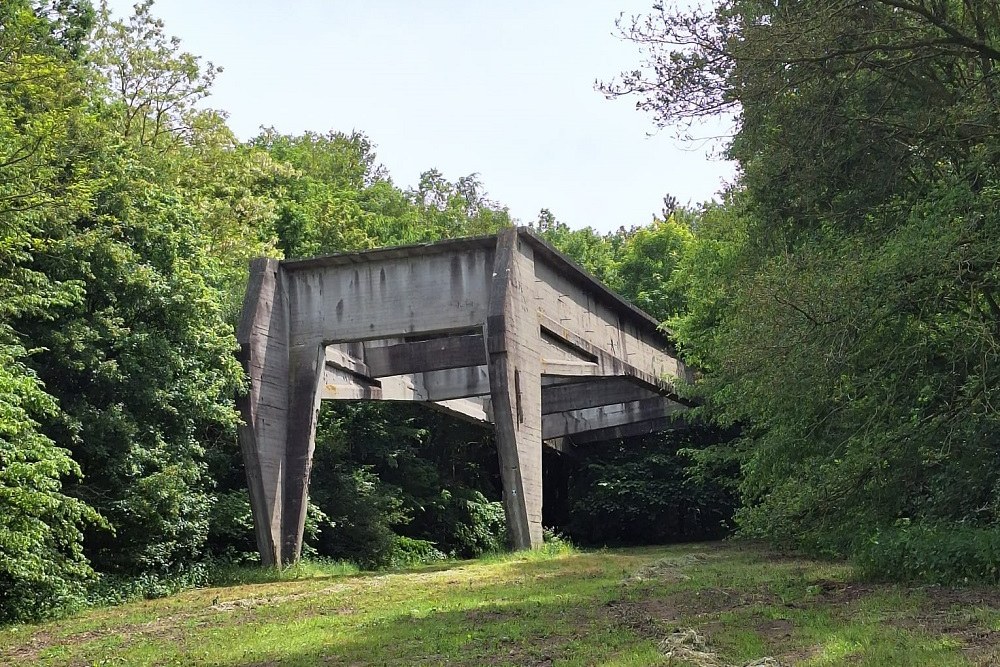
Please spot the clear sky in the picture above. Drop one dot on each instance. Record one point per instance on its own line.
(503, 89)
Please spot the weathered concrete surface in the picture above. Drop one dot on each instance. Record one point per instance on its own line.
(499, 330)
(514, 347)
(262, 336)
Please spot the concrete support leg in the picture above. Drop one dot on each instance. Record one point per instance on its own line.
(263, 339)
(513, 343)
(306, 364)
(279, 415)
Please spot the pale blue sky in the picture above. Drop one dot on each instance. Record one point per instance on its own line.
(504, 89)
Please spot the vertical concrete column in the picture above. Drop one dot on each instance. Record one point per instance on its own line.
(263, 340)
(305, 372)
(279, 413)
(513, 343)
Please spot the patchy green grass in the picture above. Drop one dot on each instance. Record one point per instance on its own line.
(707, 605)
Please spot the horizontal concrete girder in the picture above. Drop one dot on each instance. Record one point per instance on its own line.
(342, 385)
(592, 393)
(607, 416)
(427, 355)
(629, 430)
(570, 368)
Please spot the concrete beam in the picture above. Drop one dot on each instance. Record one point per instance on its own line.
(455, 383)
(607, 416)
(629, 430)
(349, 378)
(569, 368)
(337, 358)
(579, 305)
(341, 385)
(608, 363)
(591, 393)
(561, 445)
(555, 348)
(377, 295)
(427, 355)
(477, 411)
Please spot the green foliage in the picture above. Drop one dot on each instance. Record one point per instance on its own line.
(555, 544)
(593, 251)
(353, 442)
(464, 523)
(337, 198)
(704, 275)
(648, 257)
(408, 552)
(842, 302)
(856, 415)
(113, 589)
(107, 281)
(154, 87)
(142, 367)
(42, 567)
(932, 553)
(362, 513)
(638, 263)
(646, 491)
(231, 534)
(378, 476)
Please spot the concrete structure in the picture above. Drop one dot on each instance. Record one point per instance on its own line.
(501, 329)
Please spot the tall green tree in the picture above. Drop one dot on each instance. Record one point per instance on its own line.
(846, 312)
(140, 360)
(42, 110)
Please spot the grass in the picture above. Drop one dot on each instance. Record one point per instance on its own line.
(707, 605)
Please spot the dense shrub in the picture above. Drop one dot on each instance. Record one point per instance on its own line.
(932, 553)
(42, 568)
(465, 524)
(408, 552)
(110, 589)
(646, 491)
(231, 535)
(362, 512)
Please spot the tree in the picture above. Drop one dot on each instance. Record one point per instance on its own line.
(137, 350)
(42, 567)
(838, 105)
(153, 85)
(843, 301)
(648, 258)
(595, 252)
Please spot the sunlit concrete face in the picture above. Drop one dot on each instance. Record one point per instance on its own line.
(500, 330)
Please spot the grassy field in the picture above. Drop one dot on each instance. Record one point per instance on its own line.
(706, 605)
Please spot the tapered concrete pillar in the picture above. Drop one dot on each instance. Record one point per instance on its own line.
(279, 414)
(263, 339)
(304, 373)
(513, 344)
